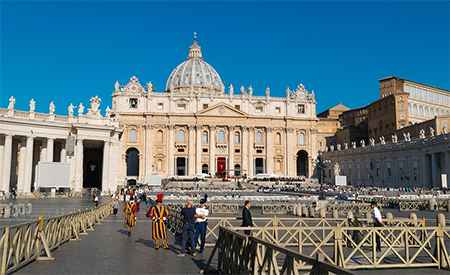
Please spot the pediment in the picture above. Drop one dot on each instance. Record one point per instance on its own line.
(222, 109)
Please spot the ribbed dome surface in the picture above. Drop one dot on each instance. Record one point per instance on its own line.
(195, 73)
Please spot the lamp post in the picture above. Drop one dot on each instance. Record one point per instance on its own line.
(321, 163)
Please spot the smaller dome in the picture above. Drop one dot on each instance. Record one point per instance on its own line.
(194, 73)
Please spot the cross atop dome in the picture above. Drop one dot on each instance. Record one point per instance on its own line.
(195, 50)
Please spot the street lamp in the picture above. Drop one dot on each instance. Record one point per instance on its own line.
(321, 163)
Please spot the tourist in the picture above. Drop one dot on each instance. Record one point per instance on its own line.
(130, 217)
(188, 214)
(377, 222)
(158, 214)
(201, 223)
(96, 200)
(115, 206)
(247, 217)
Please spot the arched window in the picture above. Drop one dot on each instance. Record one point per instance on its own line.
(431, 112)
(221, 136)
(132, 136)
(301, 139)
(420, 110)
(180, 136)
(205, 137)
(442, 112)
(258, 137)
(159, 136)
(447, 113)
(427, 113)
(237, 137)
(415, 109)
(278, 138)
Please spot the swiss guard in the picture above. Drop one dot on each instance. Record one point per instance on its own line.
(130, 215)
(158, 214)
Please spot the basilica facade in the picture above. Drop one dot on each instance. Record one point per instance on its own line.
(196, 126)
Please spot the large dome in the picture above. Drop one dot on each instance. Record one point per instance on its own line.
(194, 73)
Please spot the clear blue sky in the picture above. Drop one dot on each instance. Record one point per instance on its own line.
(67, 52)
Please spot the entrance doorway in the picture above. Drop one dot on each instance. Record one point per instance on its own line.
(132, 162)
(221, 167)
(302, 163)
(181, 166)
(92, 170)
(259, 166)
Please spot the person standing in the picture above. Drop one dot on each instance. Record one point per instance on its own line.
(130, 217)
(115, 206)
(377, 222)
(188, 215)
(247, 217)
(158, 214)
(201, 224)
(96, 200)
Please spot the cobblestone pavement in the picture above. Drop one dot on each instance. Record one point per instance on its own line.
(108, 250)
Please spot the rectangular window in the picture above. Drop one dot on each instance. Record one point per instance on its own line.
(416, 174)
(259, 151)
(368, 173)
(237, 150)
(402, 174)
(180, 150)
(359, 174)
(237, 107)
(350, 173)
(181, 106)
(389, 175)
(277, 110)
(133, 102)
(301, 108)
(258, 109)
(378, 173)
(160, 105)
(205, 150)
(205, 106)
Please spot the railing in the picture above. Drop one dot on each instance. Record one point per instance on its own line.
(271, 209)
(20, 244)
(242, 254)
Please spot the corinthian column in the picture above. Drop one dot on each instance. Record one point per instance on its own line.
(212, 150)
(191, 161)
(170, 170)
(269, 150)
(198, 148)
(231, 148)
(289, 151)
(251, 161)
(148, 149)
(244, 164)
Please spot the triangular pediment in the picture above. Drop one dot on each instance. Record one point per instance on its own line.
(222, 109)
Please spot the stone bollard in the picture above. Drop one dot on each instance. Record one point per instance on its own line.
(432, 204)
(413, 216)
(29, 209)
(389, 216)
(312, 213)
(7, 213)
(322, 213)
(350, 214)
(440, 220)
(299, 210)
(304, 211)
(335, 214)
(15, 211)
(294, 210)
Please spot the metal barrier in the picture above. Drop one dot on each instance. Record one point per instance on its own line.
(20, 244)
(274, 209)
(242, 254)
(214, 208)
